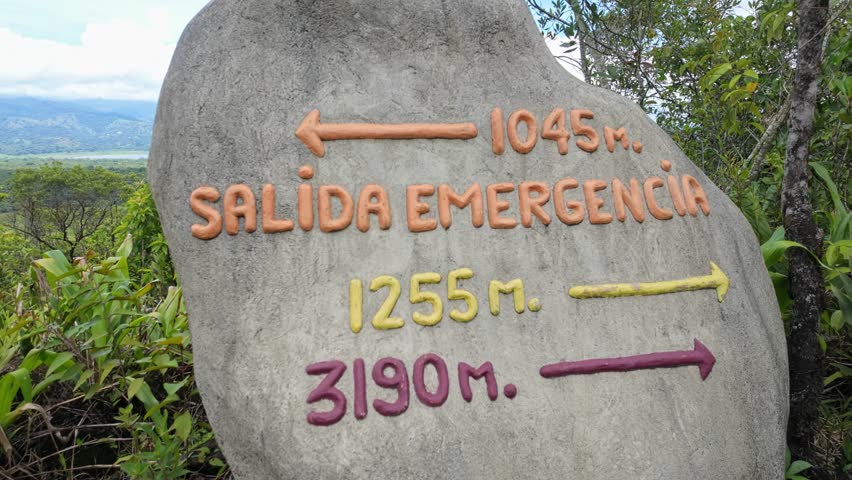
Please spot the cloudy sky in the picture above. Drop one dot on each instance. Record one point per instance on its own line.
(89, 48)
(117, 49)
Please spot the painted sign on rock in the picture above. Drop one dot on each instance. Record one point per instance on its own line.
(413, 246)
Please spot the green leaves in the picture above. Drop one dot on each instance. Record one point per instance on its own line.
(793, 469)
(60, 360)
(134, 386)
(101, 334)
(773, 249)
(836, 319)
(56, 266)
(182, 425)
(105, 334)
(822, 173)
(797, 467)
(774, 23)
(12, 385)
(715, 74)
(64, 207)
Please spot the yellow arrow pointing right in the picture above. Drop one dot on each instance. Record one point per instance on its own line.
(717, 280)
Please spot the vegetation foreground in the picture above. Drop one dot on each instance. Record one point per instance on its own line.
(97, 363)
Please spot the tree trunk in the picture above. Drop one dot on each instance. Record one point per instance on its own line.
(806, 282)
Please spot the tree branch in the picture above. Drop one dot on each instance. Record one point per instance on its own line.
(758, 153)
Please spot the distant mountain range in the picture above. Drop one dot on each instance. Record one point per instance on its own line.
(34, 126)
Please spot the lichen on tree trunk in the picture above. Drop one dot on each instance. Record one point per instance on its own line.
(806, 282)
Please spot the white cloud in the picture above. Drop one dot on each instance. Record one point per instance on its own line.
(119, 58)
(572, 62)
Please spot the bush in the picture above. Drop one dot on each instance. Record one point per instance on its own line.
(97, 377)
(16, 253)
(834, 442)
(151, 260)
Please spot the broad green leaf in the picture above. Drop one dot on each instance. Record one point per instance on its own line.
(24, 384)
(50, 266)
(71, 373)
(773, 251)
(133, 388)
(60, 360)
(182, 425)
(108, 367)
(168, 310)
(152, 410)
(716, 73)
(798, 466)
(777, 234)
(822, 172)
(83, 377)
(10, 384)
(735, 96)
(35, 358)
(777, 27)
(173, 388)
(134, 469)
(836, 251)
(165, 361)
(126, 247)
(734, 81)
(60, 261)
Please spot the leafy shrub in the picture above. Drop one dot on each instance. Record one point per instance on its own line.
(94, 381)
(793, 469)
(151, 259)
(16, 253)
(836, 325)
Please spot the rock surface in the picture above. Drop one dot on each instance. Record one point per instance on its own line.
(264, 306)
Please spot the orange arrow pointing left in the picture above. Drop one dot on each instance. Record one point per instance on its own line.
(312, 133)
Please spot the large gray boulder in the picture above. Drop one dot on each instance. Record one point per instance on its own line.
(267, 307)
